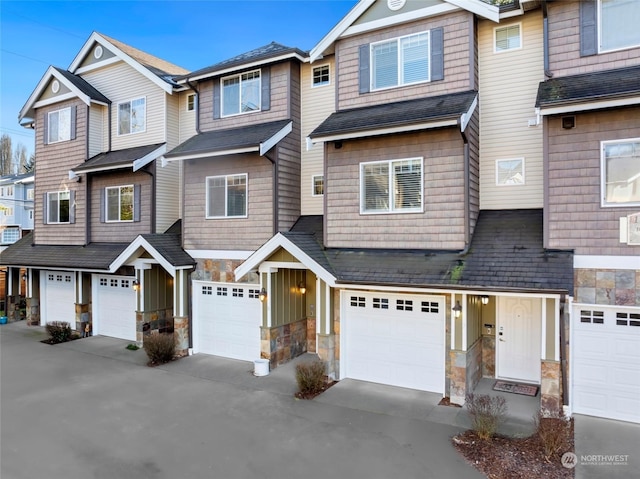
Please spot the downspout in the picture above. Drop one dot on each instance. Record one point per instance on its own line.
(467, 214)
(545, 40)
(194, 88)
(275, 192)
(87, 216)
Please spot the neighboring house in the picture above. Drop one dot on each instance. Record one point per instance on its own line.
(97, 256)
(590, 110)
(16, 207)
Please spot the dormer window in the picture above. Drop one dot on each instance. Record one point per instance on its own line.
(241, 93)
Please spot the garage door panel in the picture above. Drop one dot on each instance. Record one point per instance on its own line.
(116, 307)
(59, 298)
(390, 339)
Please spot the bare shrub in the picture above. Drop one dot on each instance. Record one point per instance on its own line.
(59, 331)
(486, 413)
(160, 348)
(554, 431)
(310, 377)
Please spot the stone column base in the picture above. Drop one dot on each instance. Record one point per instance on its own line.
(550, 387)
(327, 354)
(181, 333)
(33, 311)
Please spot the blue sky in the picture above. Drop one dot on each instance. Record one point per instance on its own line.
(191, 34)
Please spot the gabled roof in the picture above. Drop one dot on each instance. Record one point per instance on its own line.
(588, 91)
(345, 27)
(270, 53)
(16, 179)
(78, 87)
(159, 71)
(259, 138)
(92, 257)
(506, 254)
(401, 116)
(134, 158)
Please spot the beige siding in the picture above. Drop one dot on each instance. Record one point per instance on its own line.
(187, 118)
(440, 226)
(52, 174)
(317, 104)
(564, 44)
(232, 233)
(280, 102)
(508, 88)
(173, 121)
(97, 129)
(168, 195)
(120, 231)
(119, 82)
(48, 93)
(458, 53)
(575, 219)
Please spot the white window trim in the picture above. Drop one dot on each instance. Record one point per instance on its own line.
(320, 85)
(603, 178)
(313, 185)
(503, 27)
(398, 85)
(191, 95)
(521, 158)
(49, 141)
(118, 117)
(48, 210)
(206, 206)
(239, 75)
(106, 203)
(390, 210)
(599, 25)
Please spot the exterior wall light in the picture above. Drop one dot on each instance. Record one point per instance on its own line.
(302, 288)
(135, 285)
(485, 300)
(262, 295)
(457, 309)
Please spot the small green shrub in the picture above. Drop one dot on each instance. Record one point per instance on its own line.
(132, 347)
(59, 331)
(310, 377)
(161, 348)
(554, 431)
(486, 413)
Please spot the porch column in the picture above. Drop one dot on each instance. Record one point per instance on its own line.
(180, 312)
(550, 366)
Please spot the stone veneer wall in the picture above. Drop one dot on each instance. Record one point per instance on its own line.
(221, 270)
(14, 312)
(280, 344)
(550, 387)
(607, 287)
(33, 311)
(311, 335)
(466, 371)
(148, 322)
(488, 356)
(83, 318)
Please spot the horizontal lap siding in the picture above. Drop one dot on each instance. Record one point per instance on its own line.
(97, 129)
(508, 88)
(231, 233)
(442, 224)
(125, 231)
(575, 218)
(317, 104)
(52, 174)
(168, 185)
(458, 72)
(564, 44)
(187, 118)
(120, 82)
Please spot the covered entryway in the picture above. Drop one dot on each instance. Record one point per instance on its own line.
(114, 307)
(394, 339)
(58, 297)
(604, 364)
(227, 319)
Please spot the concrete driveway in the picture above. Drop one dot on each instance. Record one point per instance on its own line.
(77, 410)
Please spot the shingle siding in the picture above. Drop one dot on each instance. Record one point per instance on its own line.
(575, 218)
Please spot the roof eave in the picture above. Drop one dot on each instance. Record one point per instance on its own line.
(587, 104)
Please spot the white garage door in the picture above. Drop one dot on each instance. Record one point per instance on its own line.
(606, 354)
(114, 307)
(59, 297)
(394, 339)
(227, 319)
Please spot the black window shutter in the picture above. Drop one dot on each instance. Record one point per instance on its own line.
(437, 54)
(588, 27)
(365, 76)
(73, 122)
(265, 78)
(136, 202)
(216, 99)
(102, 206)
(72, 206)
(45, 129)
(45, 206)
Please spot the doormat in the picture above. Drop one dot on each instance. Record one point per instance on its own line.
(516, 388)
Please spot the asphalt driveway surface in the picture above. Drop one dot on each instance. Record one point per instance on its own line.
(69, 413)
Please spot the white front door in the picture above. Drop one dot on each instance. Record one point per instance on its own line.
(518, 339)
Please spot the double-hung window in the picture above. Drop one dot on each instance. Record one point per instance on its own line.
(227, 196)
(401, 61)
(507, 38)
(393, 186)
(619, 20)
(59, 125)
(58, 207)
(241, 93)
(621, 172)
(119, 203)
(132, 116)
